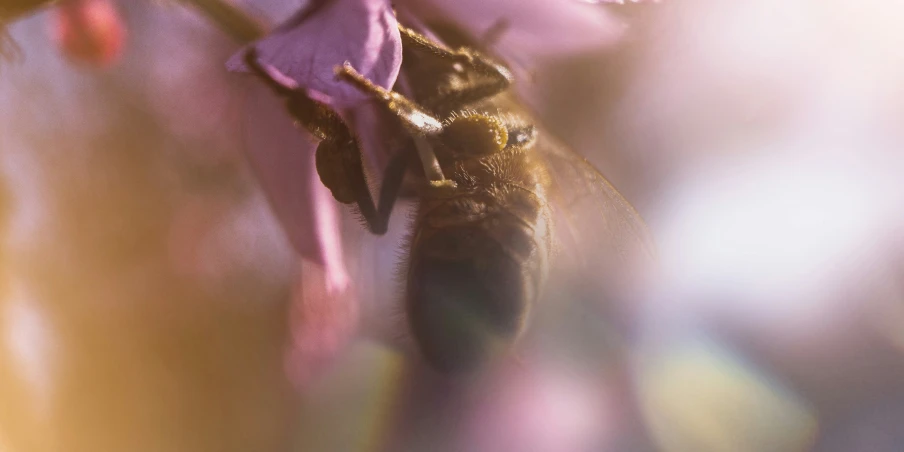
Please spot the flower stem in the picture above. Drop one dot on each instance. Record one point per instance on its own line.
(235, 21)
(12, 10)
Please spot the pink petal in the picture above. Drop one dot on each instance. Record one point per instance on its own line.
(193, 221)
(532, 27)
(322, 323)
(309, 46)
(282, 156)
(89, 31)
(619, 2)
(539, 408)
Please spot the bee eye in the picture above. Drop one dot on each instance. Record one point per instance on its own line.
(475, 134)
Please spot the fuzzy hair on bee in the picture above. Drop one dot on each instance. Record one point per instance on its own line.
(481, 238)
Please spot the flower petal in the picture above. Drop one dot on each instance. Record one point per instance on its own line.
(282, 156)
(322, 322)
(89, 31)
(309, 46)
(539, 407)
(530, 27)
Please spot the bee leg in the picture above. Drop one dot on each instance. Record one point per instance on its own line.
(340, 169)
(417, 120)
(338, 157)
(393, 177)
(499, 77)
(317, 118)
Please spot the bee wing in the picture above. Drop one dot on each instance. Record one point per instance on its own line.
(600, 237)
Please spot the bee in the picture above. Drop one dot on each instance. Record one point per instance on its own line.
(483, 235)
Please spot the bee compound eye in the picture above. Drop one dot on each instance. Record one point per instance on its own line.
(475, 134)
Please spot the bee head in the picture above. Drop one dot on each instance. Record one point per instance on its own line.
(475, 134)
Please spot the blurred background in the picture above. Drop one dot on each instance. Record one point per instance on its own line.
(148, 289)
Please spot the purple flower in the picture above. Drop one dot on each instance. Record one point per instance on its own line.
(532, 28)
(327, 33)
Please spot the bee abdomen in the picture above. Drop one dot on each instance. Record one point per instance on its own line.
(464, 309)
(476, 267)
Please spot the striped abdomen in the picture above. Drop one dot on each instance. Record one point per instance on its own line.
(477, 263)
